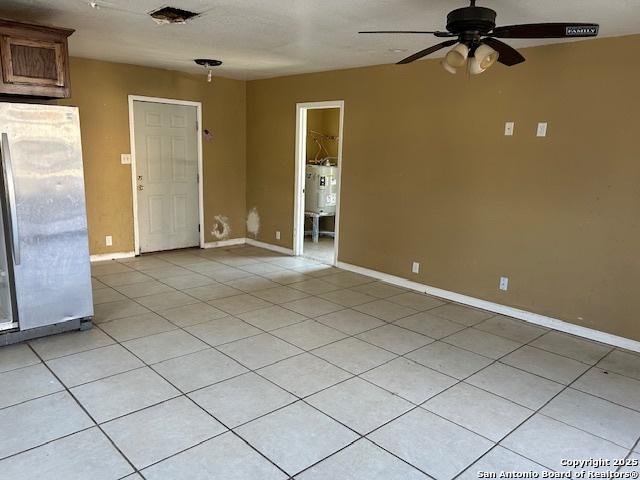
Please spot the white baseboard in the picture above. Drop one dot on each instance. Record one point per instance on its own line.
(225, 243)
(268, 246)
(530, 317)
(111, 256)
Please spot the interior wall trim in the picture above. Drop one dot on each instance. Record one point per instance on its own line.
(530, 317)
(111, 256)
(268, 246)
(225, 243)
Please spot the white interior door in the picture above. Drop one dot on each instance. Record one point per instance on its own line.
(166, 146)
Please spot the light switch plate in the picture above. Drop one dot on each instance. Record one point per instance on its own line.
(277, 234)
(108, 240)
(504, 283)
(542, 129)
(508, 129)
(125, 158)
(415, 268)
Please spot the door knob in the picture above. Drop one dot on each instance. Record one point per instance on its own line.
(140, 187)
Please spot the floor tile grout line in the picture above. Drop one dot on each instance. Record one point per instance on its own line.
(39, 445)
(181, 394)
(528, 372)
(103, 378)
(554, 397)
(86, 412)
(516, 367)
(466, 328)
(459, 381)
(538, 412)
(493, 315)
(534, 411)
(251, 293)
(499, 443)
(22, 402)
(20, 367)
(190, 353)
(416, 406)
(598, 396)
(631, 452)
(394, 321)
(346, 287)
(582, 429)
(298, 399)
(326, 414)
(258, 261)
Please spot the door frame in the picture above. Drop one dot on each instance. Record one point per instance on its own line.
(132, 141)
(300, 162)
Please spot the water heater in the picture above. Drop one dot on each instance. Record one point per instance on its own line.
(321, 189)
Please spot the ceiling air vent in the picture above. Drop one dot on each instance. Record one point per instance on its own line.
(166, 15)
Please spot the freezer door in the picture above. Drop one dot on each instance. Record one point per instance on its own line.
(50, 251)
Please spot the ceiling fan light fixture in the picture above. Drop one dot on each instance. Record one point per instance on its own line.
(457, 56)
(486, 56)
(448, 67)
(474, 66)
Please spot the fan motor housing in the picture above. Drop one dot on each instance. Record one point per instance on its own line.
(471, 19)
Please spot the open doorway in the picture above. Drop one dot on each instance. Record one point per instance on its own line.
(318, 167)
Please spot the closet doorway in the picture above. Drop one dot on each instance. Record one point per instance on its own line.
(318, 177)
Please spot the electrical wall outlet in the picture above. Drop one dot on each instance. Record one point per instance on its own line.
(542, 129)
(508, 128)
(108, 240)
(125, 158)
(415, 267)
(277, 234)
(504, 283)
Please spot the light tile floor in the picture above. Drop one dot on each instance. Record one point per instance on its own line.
(243, 364)
(323, 251)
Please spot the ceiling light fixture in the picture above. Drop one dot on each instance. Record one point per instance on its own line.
(208, 63)
(476, 37)
(457, 56)
(478, 58)
(448, 67)
(485, 57)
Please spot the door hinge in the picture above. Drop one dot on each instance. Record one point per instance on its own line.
(198, 177)
(197, 126)
(198, 227)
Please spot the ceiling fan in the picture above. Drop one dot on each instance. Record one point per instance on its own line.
(476, 36)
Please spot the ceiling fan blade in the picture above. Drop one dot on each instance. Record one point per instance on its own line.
(427, 51)
(508, 55)
(437, 34)
(547, 30)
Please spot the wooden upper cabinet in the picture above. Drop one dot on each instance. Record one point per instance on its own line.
(34, 60)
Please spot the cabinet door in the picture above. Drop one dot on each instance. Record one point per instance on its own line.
(33, 62)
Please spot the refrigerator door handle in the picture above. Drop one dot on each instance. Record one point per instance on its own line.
(11, 194)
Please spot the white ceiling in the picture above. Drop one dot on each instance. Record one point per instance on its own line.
(268, 38)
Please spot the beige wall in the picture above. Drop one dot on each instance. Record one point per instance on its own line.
(327, 122)
(429, 176)
(100, 90)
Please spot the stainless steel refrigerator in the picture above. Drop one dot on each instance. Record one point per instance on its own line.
(45, 274)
